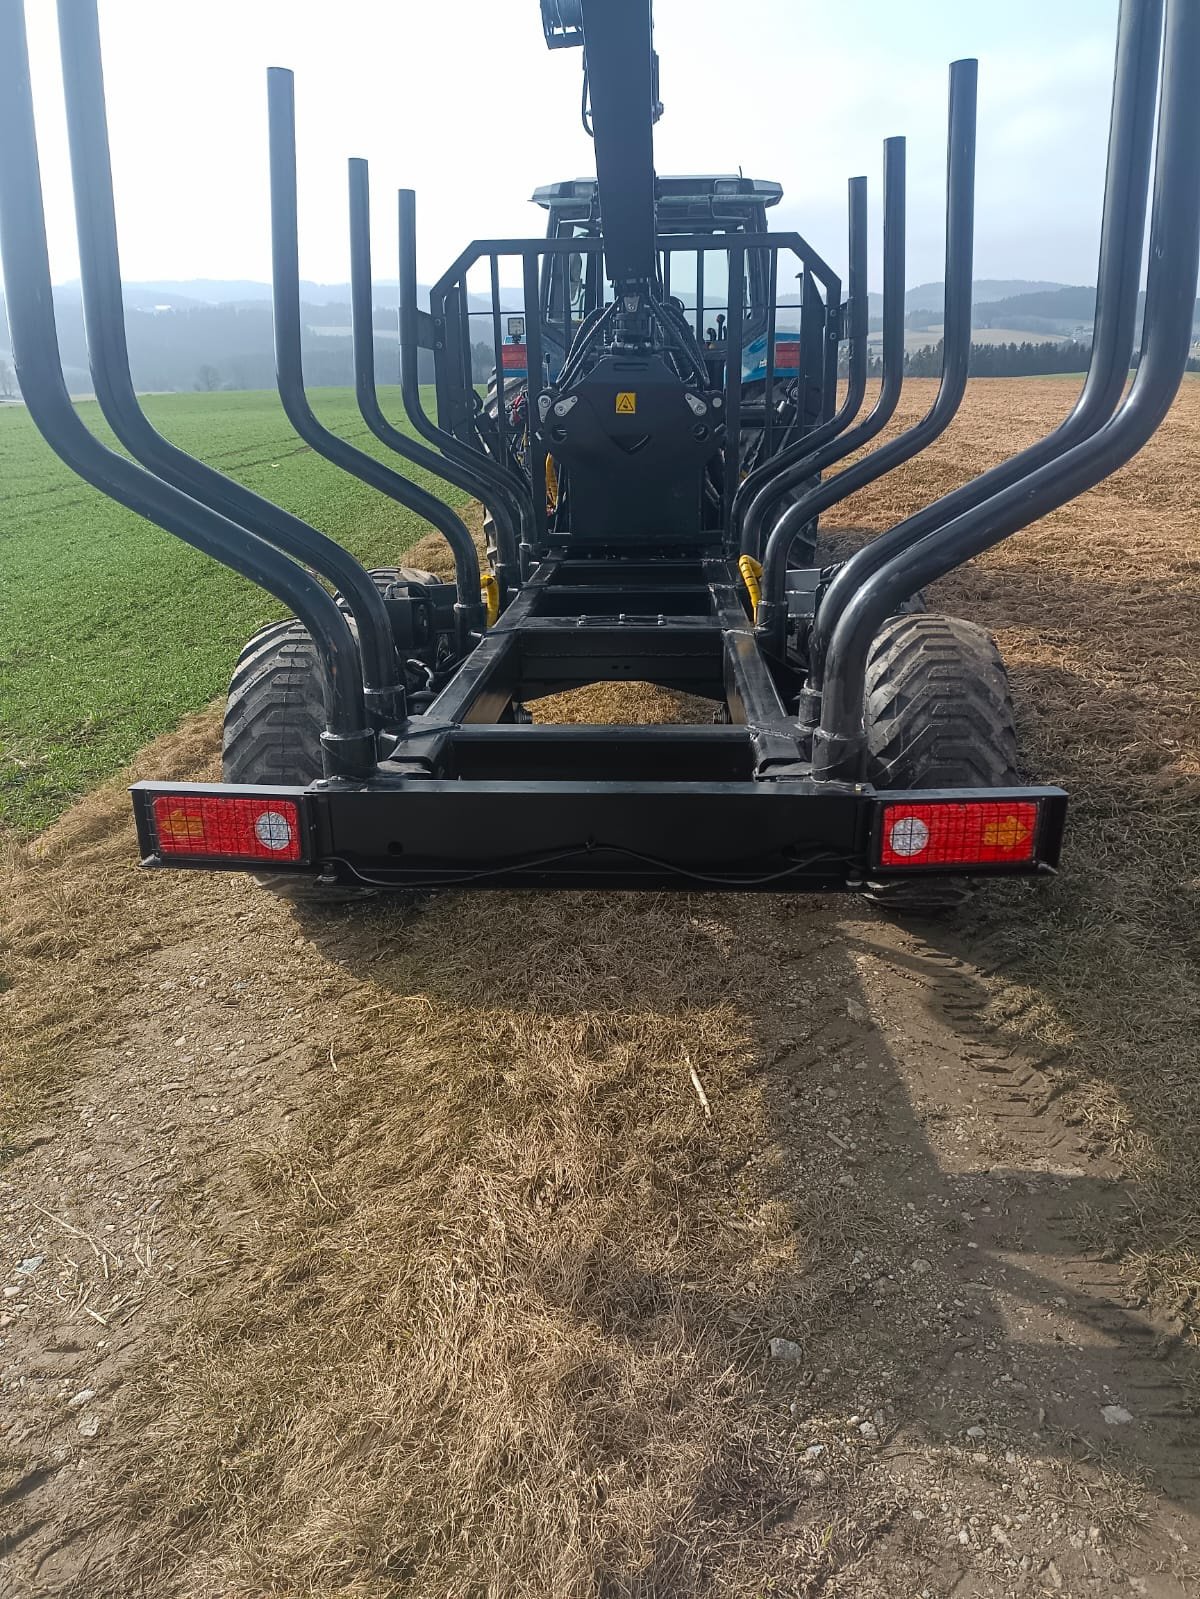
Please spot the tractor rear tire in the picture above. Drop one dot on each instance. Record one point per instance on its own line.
(938, 714)
(273, 721)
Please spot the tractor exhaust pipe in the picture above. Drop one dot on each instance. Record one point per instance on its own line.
(1122, 230)
(289, 369)
(348, 744)
(778, 484)
(956, 355)
(1166, 341)
(362, 322)
(108, 357)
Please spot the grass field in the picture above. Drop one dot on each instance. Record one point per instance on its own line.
(110, 629)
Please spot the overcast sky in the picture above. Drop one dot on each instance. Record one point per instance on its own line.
(460, 100)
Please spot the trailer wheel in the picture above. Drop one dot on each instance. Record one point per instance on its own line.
(938, 714)
(273, 721)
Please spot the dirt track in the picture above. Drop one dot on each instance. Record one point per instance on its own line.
(407, 1258)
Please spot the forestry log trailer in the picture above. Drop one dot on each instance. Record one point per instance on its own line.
(652, 487)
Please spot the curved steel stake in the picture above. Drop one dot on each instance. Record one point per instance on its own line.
(892, 379)
(108, 358)
(1122, 231)
(289, 369)
(348, 744)
(1174, 257)
(956, 355)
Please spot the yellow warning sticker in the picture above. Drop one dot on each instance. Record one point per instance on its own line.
(626, 404)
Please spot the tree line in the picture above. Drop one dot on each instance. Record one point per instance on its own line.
(1028, 359)
(1005, 360)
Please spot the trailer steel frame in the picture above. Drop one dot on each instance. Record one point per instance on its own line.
(459, 788)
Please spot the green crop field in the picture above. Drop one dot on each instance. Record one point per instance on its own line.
(110, 629)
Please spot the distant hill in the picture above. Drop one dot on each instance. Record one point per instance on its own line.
(1051, 310)
(1074, 303)
(930, 296)
(242, 291)
(209, 334)
(202, 333)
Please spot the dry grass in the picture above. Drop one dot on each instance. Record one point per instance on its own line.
(497, 1271)
(488, 1316)
(1098, 612)
(75, 920)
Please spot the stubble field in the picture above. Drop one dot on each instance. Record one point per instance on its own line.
(383, 1257)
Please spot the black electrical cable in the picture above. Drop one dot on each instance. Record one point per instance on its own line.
(535, 863)
(584, 108)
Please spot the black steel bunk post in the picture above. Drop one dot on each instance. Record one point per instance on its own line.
(733, 376)
(498, 356)
(856, 388)
(1166, 343)
(536, 382)
(507, 499)
(1122, 233)
(447, 521)
(769, 375)
(289, 368)
(956, 352)
(892, 377)
(108, 357)
(348, 743)
(777, 483)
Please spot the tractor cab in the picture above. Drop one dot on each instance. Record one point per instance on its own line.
(573, 286)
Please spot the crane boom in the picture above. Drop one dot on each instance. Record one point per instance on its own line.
(622, 82)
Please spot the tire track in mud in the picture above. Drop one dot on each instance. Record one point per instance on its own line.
(928, 1021)
(1159, 1371)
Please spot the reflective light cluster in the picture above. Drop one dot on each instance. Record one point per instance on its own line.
(231, 828)
(975, 833)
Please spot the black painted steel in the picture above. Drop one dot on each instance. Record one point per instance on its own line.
(857, 309)
(349, 745)
(1174, 257)
(733, 377)
(289, 368)
(498, 360)
(956, 355)
(470, 792)
(631, 833)
(409, 449)
(620, 63)
(893, 354)
(1122, 232)
(447, 521)
(504, 495)
(108, 356)
(679, 243)
(769, 376)
(537, 381)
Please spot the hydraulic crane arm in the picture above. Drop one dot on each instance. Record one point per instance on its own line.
(622, 81)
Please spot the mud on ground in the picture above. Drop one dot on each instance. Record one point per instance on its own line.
(637, 1246)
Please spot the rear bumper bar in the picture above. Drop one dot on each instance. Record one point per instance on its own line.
(785, 836)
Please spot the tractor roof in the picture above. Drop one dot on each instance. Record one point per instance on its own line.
(695, 201)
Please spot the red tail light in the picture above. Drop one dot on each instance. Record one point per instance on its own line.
(213, 826)
(977, 833)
